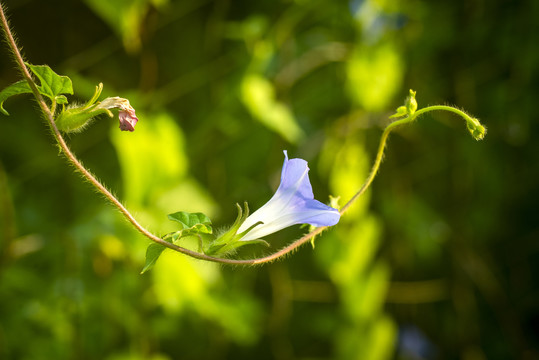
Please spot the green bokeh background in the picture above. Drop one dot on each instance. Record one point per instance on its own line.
(437, 261)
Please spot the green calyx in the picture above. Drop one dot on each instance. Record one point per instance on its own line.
(477, 130)
(229, 241)
(76, 118)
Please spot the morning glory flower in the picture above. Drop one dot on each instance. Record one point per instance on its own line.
(293, 203)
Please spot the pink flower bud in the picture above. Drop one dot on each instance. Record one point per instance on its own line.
(128, 119)
(126, 115)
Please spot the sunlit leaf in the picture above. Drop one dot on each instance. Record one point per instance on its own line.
(152, 159)
(258, 96)
(20, 87)
(125, 17)
(372, 294)
(374, 76)
(192, 224)
(153, 252)
(189, 220)
(355, 260)
(178, 281)
(61, 99)
(381, 339)
(347, 163)
(51, 84)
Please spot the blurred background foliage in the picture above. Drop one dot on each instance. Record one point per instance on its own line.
(437, 261)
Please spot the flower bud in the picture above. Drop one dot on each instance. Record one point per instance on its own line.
(128, 118)
(75, 119)
(409, 107)
(477, 130)
(411, 103)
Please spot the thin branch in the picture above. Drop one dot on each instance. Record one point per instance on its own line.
(103, 190)
(72, 159)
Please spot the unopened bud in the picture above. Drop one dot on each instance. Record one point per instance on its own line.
(477, 130)
(75, 119)
(128, 118)
(411, 103)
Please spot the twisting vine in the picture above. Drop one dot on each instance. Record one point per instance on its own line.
(76, 119)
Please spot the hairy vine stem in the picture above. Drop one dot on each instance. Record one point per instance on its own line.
(72, 159)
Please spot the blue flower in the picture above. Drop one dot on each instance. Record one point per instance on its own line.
(293, 203)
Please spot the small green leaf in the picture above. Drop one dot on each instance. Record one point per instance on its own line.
(20, 87)
(401, 112)
(153, 252)
(61, 99)
(189, 220)
(259, 96)
(52, 84)
(192, 224)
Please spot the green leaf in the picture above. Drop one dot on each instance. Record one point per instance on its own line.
(374, 75)
(126, 18)
(20, 87)
(259, 96)
(192, 224)
(191, 220)
(401, 112)
(52, 84)
(153, 252)
(61, 99)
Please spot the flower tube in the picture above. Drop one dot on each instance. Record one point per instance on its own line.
(293, 203)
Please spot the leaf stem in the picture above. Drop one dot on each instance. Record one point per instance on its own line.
(53, 108)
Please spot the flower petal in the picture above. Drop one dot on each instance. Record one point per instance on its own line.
(313, 213)
(127, 117)
(293, 203)
(128, 120)
(295, 178)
